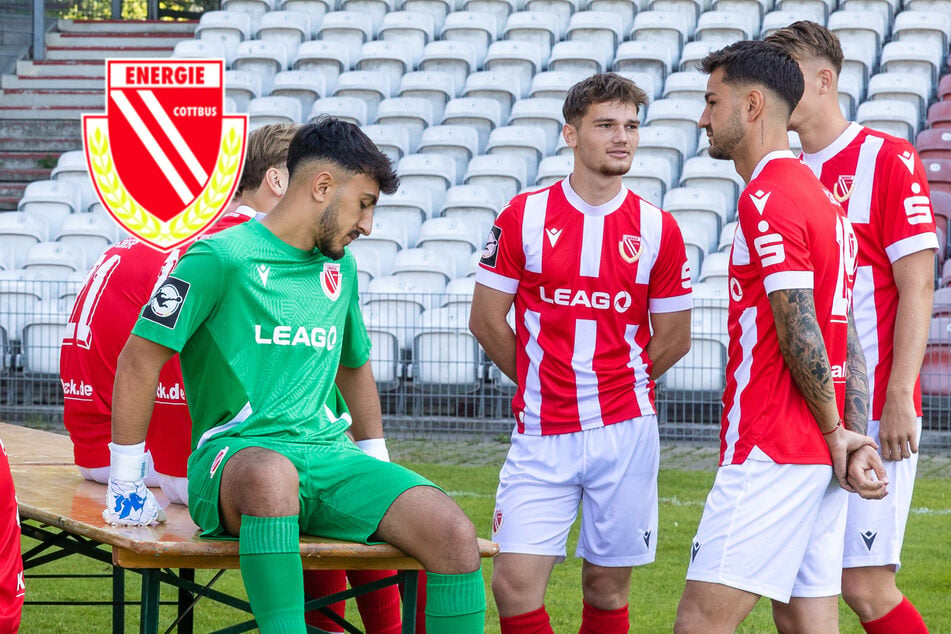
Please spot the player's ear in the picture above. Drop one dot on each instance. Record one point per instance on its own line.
(276, 181)
(755, 102)
(827, 80)
(570, 134)
(322, 185)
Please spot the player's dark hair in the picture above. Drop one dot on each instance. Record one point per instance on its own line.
(804, 39)
(600, 88)
(759, 63)
(267, 148)
(345, 144)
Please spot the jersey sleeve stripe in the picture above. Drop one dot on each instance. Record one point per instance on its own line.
(671, 304)
(912, 244)
(785, 280)
(533, 230)
(496, 281)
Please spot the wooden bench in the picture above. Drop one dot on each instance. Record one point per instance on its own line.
(62, 511)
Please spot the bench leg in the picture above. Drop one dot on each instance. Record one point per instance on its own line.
(186, 622)
(410, 583)
(151, 583)
(118, 600)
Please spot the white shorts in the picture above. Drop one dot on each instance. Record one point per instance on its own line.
(174, 487)
(773, 530)
(875, 529)
(611, 471)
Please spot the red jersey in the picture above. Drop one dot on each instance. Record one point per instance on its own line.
(585, 280)
(106, 308)
(881, 183)
(792, 235)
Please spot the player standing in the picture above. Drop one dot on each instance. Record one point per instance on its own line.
(773, 522)
(591, 269)
(273, 353)
(12, 588)
(881, 183)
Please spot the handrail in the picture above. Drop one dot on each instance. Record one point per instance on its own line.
(39, 30)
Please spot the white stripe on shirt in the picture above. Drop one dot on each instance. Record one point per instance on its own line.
(865, 314)
(533, 392)
(636, 363)
(860, 202)
(748, 337)
(586, 379)
(592, 241)
(651, 230)
(533, 230)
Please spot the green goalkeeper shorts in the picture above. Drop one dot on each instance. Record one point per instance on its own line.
(344, 493)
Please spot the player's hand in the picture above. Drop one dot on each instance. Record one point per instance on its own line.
(867, 473)
(843, 442)
(898, 429)
(130, 503)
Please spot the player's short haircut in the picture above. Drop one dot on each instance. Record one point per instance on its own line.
(344, 144)
(600, 88)
(760, 63)
(804, 40)
(267, 147)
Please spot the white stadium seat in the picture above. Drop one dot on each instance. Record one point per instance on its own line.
(701, 171)
(666, 143)
(315, 10)
(654, 59)
(898, 118)
(390, 139)
(907, 87)
(369, 86)
(71, 167)
(682, 114)
(484, 115)
(411, 205)
(242, 86)
(599, 28)
(563, 9)
(554, 84)
(21, 230)
(264, 58)
(578, 57)
(350, 109)
(413, 114)
(543, 113)
(306, 86)
(394, 59)
(478, 29)
(458, 142)
(456, 238)
(90, 233)
(290, 28)
(327, 58)
(376, 10)
(226, 29)
(52, 199)
(438, 9)
(410, 29)
(648, 178)
(475, 202)
(500, 87)
(528, 143)
(348, 29)
(53, 259)
(553, 169)
(508, 174)
(267, 110)
(429, 171)
(543, 29)
(436, 86)
(458, 58)
(518, 60)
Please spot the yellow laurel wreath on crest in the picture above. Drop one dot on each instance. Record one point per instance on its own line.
(187, 223)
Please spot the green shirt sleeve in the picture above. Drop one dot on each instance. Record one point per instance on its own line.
(356, 343)
(184, 300)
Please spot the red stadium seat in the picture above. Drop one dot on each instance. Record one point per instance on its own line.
(936, 371)
(946, 274)
(934, 143)
(939, 115)
(938, 172)
(942, 303)
(944, 88)
(940, 331)
(942, 243)
(941, 206)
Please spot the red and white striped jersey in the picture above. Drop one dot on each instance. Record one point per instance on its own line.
(585, 279)
(881, 183)
(791, 235)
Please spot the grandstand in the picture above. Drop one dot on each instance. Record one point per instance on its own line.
(465, 97)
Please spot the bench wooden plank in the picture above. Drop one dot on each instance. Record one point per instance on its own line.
(35, 446)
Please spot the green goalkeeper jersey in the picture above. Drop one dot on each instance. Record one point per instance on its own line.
(262, 328)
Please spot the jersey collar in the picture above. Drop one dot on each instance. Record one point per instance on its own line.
(591, 210)
(833, 148)
(244, 210)
(775, 154)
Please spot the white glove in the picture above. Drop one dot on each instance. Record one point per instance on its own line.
(375, 447)
(128, 500)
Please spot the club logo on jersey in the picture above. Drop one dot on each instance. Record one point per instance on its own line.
(165, 305)
(842, 190)
(330, 280)
(217, 461)
(497, 521)
(759, 200)
(490, 252)
(630, 248)
(909, 160)
(869, 538)
(553, 235)
(694, 549)
(163, 158)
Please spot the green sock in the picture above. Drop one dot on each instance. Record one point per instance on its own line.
(269, 549)
(455, 604)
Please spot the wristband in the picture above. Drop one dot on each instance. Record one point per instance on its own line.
(127, 462)
(837, 425)
(375, 447)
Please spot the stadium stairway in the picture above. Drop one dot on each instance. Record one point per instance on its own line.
(41, 104)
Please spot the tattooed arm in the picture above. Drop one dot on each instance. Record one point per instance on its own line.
(856, 383)
(804, 351)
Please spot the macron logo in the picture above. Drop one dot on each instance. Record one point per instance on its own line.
(869, 538)
(263, 270)
(553, 235)
(909, 160)
(759, 200)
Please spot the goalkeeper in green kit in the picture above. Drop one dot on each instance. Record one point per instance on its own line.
(275, 359)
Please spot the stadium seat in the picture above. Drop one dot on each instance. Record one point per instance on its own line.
(436, 86)
(438, 9)
(923, 26)
(347, 29)
(315, 10)
(543, 113)
(290, 28)
(623, 10)
(71, 167)
(694, 52)
(922, 58)
(688, 84)
(53, 259)
(726, 237)
(507, 174)
(20, 292)
(654, 59)
(849, 95)
(255, 9)
(226, 29)
(695, 240)
(666, 143)
(242, 86)
(553, 84)
(459, 142)
(428, 268)
(528, 143)
(699, 206)
(938, 172)
(410, 29)
(43, 331)
(858, 66)
(369, 265)
(456, 58)
(715, 269)
(898, 118)
(267, 110)
(578, 57)
(499, 9)
(53, 199)
(715, 174)
(376, 10)
(662, 26)
(369, 86)
(384, 347)
(682, 114)
(940, 331)
(445, 352)
(939, 6)
(724, 27)
(818, 9)
(391, 140)
(701, 373)
(939, 115)
(515, 59)
(483, 115)
(327, 58)
(198, 49)
(564, 9)
(387, 238)
(906, 87)
(754, 10)
(349, 109)
(395, 304)
(429, 171)
(413, 114)
(942, 303)
(456, 238)
(393, 59)
(89, 233)
(411, 205)
(266, 59)
(941, 206)
(543, 29)
(775, 20)
(859, 28)
(458, 296)
(306, 86)
(690, 10)
(648, 178)
(552, 169)
(478, 29)
(474, 202)
(944, 88)
(500, 87)
(600, 29)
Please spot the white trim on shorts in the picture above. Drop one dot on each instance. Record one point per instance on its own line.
(772, 529)
(611, 471)
(875, 529)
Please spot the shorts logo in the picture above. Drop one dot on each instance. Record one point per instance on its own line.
(842, 190)
(490, 252)
(165, 305)
(869, 538)
(647, 539)
(497, 521)
(694, 550)
(217, 461)
(630, 248)
(330, 280)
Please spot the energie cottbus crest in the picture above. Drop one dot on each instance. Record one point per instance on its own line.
(164, 159)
